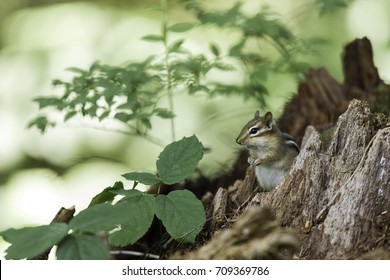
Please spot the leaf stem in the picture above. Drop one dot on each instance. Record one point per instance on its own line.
(164, 6)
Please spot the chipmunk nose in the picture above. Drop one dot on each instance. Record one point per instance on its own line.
(238, 141)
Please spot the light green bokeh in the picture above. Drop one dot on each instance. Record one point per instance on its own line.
(38, 44)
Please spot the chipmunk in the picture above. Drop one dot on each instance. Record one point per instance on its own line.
(272, 152)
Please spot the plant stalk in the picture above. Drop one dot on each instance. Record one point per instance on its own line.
(164, 6)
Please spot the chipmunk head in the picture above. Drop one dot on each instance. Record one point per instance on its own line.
(257, 127)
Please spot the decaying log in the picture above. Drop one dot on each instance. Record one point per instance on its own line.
(256, 235)
(321, 99)
(358, 65)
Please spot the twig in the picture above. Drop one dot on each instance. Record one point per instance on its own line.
(136, 254)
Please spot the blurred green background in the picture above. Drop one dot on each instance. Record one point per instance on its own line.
(70, 163)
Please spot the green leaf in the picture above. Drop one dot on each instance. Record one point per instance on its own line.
(164, 113)
(179, 159)
(182, 214)
(98, 217)
(57, 82)
(69, 115)
(140, 213)
(105, 217)
(47, 101)
(133, 193)
(42, 123)
(181, 27)
(29, 242)
(104, 115)
(123, 117)
(142, 177)
(236, 50)
(153, 38)
(78, 246)
(329, 6)
(176, 46)
(76, 70)
(214, 49)
(107, 195)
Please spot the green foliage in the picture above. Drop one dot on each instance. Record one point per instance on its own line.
(176, 162)
(268, 31)
(41, 122)
(181, 27)
(142, 177)
(32, 241)
(179, 159)
(107, 195)
(125, 221)
(140, 214)
(132, 93)
(82, 246)
(182, 214)
(329, 6)
(99, 217)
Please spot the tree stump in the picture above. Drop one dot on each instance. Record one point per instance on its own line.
(336, 198)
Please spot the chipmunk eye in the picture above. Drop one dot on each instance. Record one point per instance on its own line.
(253, 130)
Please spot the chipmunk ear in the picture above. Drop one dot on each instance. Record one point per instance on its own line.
(268, 120)
(257, 114)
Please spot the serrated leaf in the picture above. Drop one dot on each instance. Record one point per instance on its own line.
(98, 217)
(181, 27)
(105, 217)
(179, 159)
(153, 38)
(181, 213)
(79, 246)
(107, 195)
(214, 49)
(29, 242)
(142, 177)
(140, 213)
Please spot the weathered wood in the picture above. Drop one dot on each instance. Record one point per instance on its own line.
(256, 235)
(358, 66)
(321, 99)
(319, 102)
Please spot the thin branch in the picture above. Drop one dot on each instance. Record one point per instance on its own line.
(136, 254)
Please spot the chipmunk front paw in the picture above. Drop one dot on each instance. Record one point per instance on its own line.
(254, 161)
